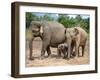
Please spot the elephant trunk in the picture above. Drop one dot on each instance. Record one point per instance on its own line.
(30, 38)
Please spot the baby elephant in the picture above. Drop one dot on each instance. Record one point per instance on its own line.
(62, 50)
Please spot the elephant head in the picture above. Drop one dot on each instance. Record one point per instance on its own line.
(37, 28)
(71, 33)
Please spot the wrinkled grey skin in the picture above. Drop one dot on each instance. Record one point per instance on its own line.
(75, 37)
(52, 34)
(62, 49)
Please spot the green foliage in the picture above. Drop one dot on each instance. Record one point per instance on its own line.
(84, 23)
(64, 19)
(72, 22)
(46, 17)
(30, 17)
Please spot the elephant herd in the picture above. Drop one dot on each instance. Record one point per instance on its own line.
(54, 34)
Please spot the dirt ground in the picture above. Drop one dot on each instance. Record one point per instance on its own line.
(52, 60)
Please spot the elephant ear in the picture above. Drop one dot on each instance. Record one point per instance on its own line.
(41, 29)
(76, 31)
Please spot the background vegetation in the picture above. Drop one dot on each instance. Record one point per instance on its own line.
(65, 19)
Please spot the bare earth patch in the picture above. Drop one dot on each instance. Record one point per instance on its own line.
(52, 60)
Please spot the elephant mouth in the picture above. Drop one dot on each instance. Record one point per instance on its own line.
(35, 36)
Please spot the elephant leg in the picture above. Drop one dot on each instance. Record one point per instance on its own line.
(83, 48)
(44, 47)
(30, 47)
(48, 51)
(59, 52)
(77, 49)
(43, 51)
(64, 53)
(69, 49)
(69, 52)
(72, 53)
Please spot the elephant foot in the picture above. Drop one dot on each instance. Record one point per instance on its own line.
(72, 56)
(41, 57)
(58, 57)
(31, 58)
(47, 56)
(65, 57)
(80, 56)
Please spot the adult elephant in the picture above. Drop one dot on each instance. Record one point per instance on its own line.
(52, 34)
(76, 37)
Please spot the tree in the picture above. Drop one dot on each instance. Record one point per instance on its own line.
(29, 17)
(78, 18)
(46, 17)
(66, 20)
(84, 23)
